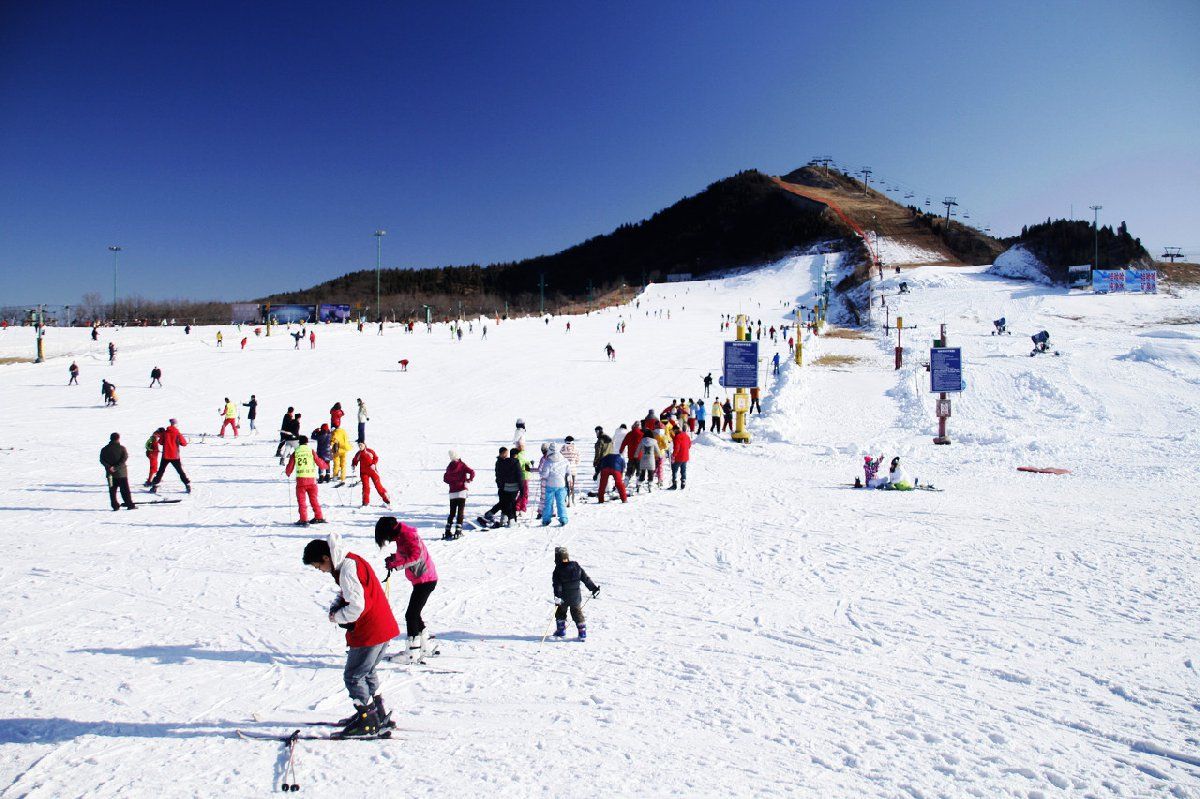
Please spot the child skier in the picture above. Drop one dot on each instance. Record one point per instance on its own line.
(362, 609)
(870, 470)
(457, 475)
(566, 579)
(412, 556)
(153, 444)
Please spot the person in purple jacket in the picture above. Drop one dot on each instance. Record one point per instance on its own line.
(457, 475)
(412, 556)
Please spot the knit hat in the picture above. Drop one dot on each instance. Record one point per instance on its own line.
(173, 421)
(552, 449)
(453, 455)
(560, 555)
(569, 439)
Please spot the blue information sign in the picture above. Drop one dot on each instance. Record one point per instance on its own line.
(945, 369)
(741, 364)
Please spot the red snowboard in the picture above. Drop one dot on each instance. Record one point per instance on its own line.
(1040, 470)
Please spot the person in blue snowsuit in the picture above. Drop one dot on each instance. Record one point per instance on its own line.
(701, 416)
(775, 363)
(324, 438)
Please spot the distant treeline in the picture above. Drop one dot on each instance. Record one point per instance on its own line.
(739, 221)
(967, 244)
(1068, 242)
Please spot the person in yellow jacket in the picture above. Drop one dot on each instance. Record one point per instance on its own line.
(341, 449)
(230, 413)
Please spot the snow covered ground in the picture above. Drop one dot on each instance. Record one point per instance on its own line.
(893, 251)
(768, 632)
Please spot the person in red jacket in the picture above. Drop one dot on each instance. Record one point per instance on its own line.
(457, 475)
(366, 460)
(153, 447)
(629, 448)
(335, 416)
(172, 440)
(363, 610)
(680, 454)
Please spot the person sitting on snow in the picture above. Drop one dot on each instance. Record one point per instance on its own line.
(898, 479)
(871, 471)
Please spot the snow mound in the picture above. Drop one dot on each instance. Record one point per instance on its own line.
(1173, 334)
(1174, 356)
(1019, 263)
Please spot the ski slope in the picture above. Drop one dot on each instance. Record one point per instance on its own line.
(770, 631)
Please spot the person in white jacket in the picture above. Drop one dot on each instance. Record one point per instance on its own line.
(553, 472)
(571, 456)
(363, 418)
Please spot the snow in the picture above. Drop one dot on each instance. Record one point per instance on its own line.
(893, 251)
(770, 631)
(1021, 264)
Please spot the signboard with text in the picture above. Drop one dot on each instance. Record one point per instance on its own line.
(741, 364)
(945, 369)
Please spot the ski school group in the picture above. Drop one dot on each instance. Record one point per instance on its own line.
(638, 456)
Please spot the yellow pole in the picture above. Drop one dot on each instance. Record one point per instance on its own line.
(741, 398)
(799, 339)
(268, 318)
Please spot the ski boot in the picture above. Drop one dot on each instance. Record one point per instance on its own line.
(673, 487)
(560, 629)
(427, 649)
(187, 487)
(153, 488)
(364, 722)
(383, 716)
(682, 484)
(582, 631)
(457, 531)
(446, 535)
(485, 521)
(415, 654)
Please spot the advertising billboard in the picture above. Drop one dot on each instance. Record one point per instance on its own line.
(333, 313)
(286, 314)
(245, 313)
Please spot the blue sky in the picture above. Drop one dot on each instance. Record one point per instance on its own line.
(233, 149)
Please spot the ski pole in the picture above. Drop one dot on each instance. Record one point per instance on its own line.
(553, 613)
(290, 770)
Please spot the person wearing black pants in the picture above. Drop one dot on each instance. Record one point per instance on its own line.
(508, 487)
(754, 406)
(412, 557)
(289, 430)
(114, 457)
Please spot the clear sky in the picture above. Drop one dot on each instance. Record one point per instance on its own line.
(238, 148)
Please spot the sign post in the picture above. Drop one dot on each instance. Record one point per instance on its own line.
(799, 339)
(899, 348)
(945, 375)
(741, 373)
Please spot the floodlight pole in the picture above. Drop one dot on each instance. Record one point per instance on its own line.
(379, 234)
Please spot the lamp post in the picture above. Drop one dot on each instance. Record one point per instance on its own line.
(114, 249)
(379, 234)
(1096, 237)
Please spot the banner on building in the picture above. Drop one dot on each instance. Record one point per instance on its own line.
(1136, 281)
(245, 313)
(288, 314)
(333, 313)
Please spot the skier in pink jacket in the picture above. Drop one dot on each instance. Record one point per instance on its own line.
(412, 556)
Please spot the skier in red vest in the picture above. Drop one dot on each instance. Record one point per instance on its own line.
(362, 609)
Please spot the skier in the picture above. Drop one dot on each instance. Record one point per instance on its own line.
(362, 609)
(172, 440)
(363, 418)
(553, 474)
(597, 451)
(366, 460)
(155, 377)
(519, 433)
(220, 339)
(754, 406)
(646, 458)
(458, 475)
(508, 486)
(526, 464)
(153, 444)
(299, 334)
(335, 415)
(251, 414)
(618, 438)
(322, 437)
(95, 333)
(112, 353)
(245, 340)
(412, 557)
(566, 579)
(305, 463)
(717, 412)
(629, 449)
(571, 456)
(610, 352)
(73, 371)
(707, 383)
(728, 414)
(774, 359)
(612, 466)
(701, 417)
(681, 448)
(114, 458)
(312, 340)
(230, 413)
(289, 431)
(341, 450)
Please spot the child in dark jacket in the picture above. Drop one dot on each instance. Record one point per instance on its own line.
(566, 579)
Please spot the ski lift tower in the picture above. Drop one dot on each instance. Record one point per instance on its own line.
(949, 202)
(1172, 253)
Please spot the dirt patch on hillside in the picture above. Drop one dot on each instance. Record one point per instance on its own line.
(14, 359)
(845, 332)
(836, 360)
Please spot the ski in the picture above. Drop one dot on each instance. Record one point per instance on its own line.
(159, 502)
(300, 736)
